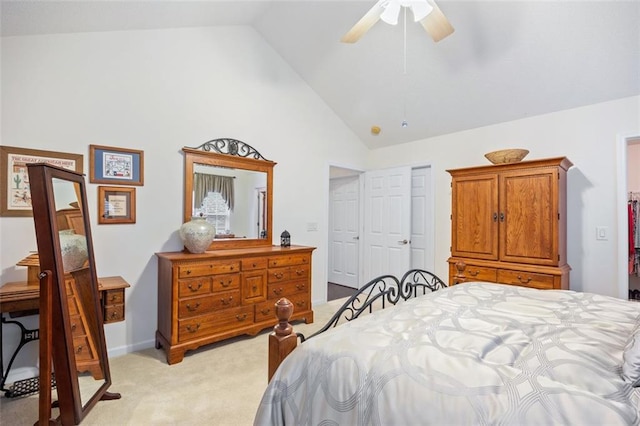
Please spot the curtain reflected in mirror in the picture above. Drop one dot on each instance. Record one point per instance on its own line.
(78, 286)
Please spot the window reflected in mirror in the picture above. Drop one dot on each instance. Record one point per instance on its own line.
(232, 200)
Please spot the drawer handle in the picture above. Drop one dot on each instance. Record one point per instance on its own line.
(188, 271)
(225, 284)
(253, 265)
(300, 303)
(113, 298)
(241, 317)
(73, 327)
(192, 329)
(79, 349)
(231, 268)
(474, 273)
(226, 301)
(195, 289)
(301, 286)
(113, 315)
(299, 272)
(190, 309)
(254, 288)
(277, 291)
(524, 281)
(279, 275)
(265, 311)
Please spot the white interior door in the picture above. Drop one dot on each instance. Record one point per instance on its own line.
(387, 222)
(422, 238)
(344, 227)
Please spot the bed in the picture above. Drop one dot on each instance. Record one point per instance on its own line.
(474, 353)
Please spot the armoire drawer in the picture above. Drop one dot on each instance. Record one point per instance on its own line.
(526, 279)
(479, 273)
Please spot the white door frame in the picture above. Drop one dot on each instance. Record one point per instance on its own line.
(623, 226)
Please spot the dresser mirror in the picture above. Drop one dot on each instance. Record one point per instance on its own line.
(65, 249)
(231, 184)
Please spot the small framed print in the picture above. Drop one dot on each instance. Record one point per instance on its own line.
(15, 195)
(116, 205)
(116, 166)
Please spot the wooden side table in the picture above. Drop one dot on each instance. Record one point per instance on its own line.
(22, 298)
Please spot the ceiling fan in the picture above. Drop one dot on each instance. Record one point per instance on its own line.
(424, 11)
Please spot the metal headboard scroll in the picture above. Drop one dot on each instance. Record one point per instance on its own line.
(231, 147)
(385, 290)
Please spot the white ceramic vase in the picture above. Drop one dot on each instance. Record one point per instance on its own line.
(74, 249)
(197, 234)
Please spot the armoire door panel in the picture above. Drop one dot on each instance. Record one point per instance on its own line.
(529, 217)
(475, 217)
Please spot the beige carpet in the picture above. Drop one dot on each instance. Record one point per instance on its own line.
(219, 384)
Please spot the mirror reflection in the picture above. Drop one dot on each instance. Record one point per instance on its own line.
(79, 287)
(233, 200)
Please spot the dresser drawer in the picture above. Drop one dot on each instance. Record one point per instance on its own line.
(278, 290)
(265, 311)
(526, 279)
(77, 326)
(254, 263)
(290, 259)
(301, 302)
(225, 282)
(189, 288)
(113, 297)
(113, 313)
(82, 349)
(191, 307)
(277, 275)
(202, 269)
(479, 273)
(299, 272)
(206, 325)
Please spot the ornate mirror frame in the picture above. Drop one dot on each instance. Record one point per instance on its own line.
(230, 154)
(74, 289)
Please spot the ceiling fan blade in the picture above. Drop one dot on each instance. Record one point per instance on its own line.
(436, 24)
(364, 24)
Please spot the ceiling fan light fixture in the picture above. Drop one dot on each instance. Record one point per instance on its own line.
(420, 9)
(391, 12)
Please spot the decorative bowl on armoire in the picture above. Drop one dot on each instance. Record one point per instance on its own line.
(505, 156)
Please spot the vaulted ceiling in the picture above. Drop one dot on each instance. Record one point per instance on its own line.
(506, 59)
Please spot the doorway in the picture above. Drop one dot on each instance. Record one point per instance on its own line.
(357, 210)
(628, 161)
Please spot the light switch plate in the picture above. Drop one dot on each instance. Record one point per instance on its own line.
(602, 233)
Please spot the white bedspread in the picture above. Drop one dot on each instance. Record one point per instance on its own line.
(474, 353)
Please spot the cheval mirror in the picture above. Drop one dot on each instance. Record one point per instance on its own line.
(76, 336)
(231, 184)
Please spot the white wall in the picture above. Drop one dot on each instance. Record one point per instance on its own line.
(587, 136)
(157, 91)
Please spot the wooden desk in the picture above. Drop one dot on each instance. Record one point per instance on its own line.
(21, 298)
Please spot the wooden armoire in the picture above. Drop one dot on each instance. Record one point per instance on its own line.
(508, 224)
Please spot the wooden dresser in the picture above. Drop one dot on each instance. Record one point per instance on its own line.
(508, 224)
(208, 297)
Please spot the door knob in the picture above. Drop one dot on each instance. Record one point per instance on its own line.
(403, 242)
(356, 237)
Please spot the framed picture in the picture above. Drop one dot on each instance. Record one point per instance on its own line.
(116, 205)
(116, 166)
(15, 196)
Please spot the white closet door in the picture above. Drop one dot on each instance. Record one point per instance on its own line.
(387, 223)
(344, 224)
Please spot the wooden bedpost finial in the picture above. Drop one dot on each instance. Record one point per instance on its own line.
(282, 340)
(284, 310)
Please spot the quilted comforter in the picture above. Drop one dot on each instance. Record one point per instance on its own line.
(474, 353)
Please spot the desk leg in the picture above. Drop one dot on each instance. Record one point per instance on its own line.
(26, 336)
